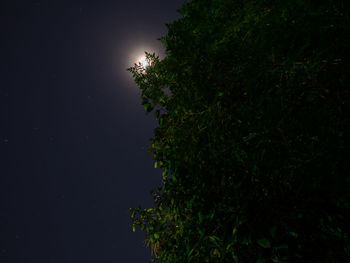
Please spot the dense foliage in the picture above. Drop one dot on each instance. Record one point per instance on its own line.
(252, 100)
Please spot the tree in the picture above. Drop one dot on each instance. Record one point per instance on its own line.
(252, 100)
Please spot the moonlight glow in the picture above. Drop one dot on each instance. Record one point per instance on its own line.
(142, 60)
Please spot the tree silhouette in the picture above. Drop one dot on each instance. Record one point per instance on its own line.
(252, 101)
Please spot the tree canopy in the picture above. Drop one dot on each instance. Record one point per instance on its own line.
(252, 100)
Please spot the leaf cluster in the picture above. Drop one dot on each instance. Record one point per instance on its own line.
(252, 101)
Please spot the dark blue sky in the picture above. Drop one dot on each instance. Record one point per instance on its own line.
(73, 135)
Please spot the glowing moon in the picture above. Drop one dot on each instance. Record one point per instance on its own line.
(142, 61)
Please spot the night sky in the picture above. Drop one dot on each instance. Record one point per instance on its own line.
(73, 135)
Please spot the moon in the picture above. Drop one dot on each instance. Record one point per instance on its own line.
(142, 61)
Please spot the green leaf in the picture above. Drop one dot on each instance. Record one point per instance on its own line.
(273, 231)
(293, 234)
(148, 107)
(156, 114)
(275, 259)
(165, 173)
(144, 101)
(201, 232)
(282, 246)
(216, 252)
(214, 240)
(264, 242)
(200, 217)
(260, 260)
